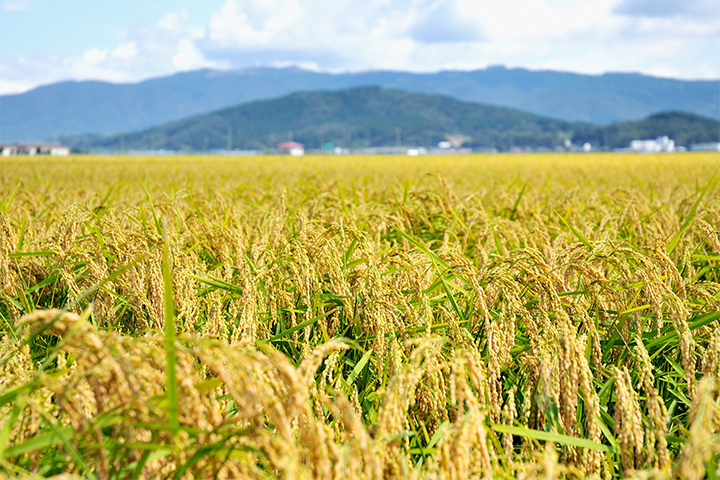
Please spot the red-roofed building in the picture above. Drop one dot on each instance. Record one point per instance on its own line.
(295, 149)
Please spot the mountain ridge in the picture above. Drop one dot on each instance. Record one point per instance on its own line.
(365, 117)
(73, 107)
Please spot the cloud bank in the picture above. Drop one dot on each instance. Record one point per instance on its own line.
(662, 37)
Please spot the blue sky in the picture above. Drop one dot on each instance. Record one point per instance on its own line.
(71, 27)
(45, 41)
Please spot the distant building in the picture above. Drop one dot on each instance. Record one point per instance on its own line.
(295, 149)
(705, 147)
(39, 148)
(31, 149)
(58, 150)
(7, 150)
(660, 144)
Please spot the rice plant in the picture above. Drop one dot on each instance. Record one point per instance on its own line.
(473, 316)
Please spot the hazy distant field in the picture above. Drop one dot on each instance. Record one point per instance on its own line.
(360, 317)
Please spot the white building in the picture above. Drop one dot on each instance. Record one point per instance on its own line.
(295, 149)
(660, 144)
(59, 150)
(41, 148)
(705, 147)
(7, 150)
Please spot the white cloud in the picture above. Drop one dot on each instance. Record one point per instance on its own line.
(166, 47)
(590, 36)
(95, 56)
(188, 56)
(668, 8)
(286, 24)
(374, 34)
(15, 5)
(427, 35)
(126, 50)
(170, 44)
(446, 22)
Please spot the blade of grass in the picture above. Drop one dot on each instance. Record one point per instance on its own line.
(688, 218)
(10, 421)
(64, 435)
(38, 442)
(575, 232)
(149, 455)
(21, 234)
(217, 283)
(517, 202)
(7, 201)
(669, 334)
(551, 437)
(437, 260)
(297, 327)
(439, 433)
(496, 240)
(451, 297)
(107, 201)
(169, 344)
(43, 253)
(359, 366)
(110, 278)
(422, 247)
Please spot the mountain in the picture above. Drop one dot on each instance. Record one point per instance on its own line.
(98, 107)
(374, 116)
(358, 117)
(683, 128)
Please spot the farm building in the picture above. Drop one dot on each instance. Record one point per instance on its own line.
(705, 147)
(7, 150)
(660, 144)
(295, 149)
(39, 148)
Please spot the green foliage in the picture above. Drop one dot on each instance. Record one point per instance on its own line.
(376, 117)
(684, 128)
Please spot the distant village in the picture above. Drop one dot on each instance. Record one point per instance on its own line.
(666, 144)
(55, 149)
(662, 144)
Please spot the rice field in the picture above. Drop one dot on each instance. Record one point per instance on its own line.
(477, 316)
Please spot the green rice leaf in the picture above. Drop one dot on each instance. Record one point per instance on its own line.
(169, 344)
(575, 232)
(551, 437)
(359, 366)
(688, 218)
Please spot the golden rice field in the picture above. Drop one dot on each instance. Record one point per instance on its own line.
(500, 316)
